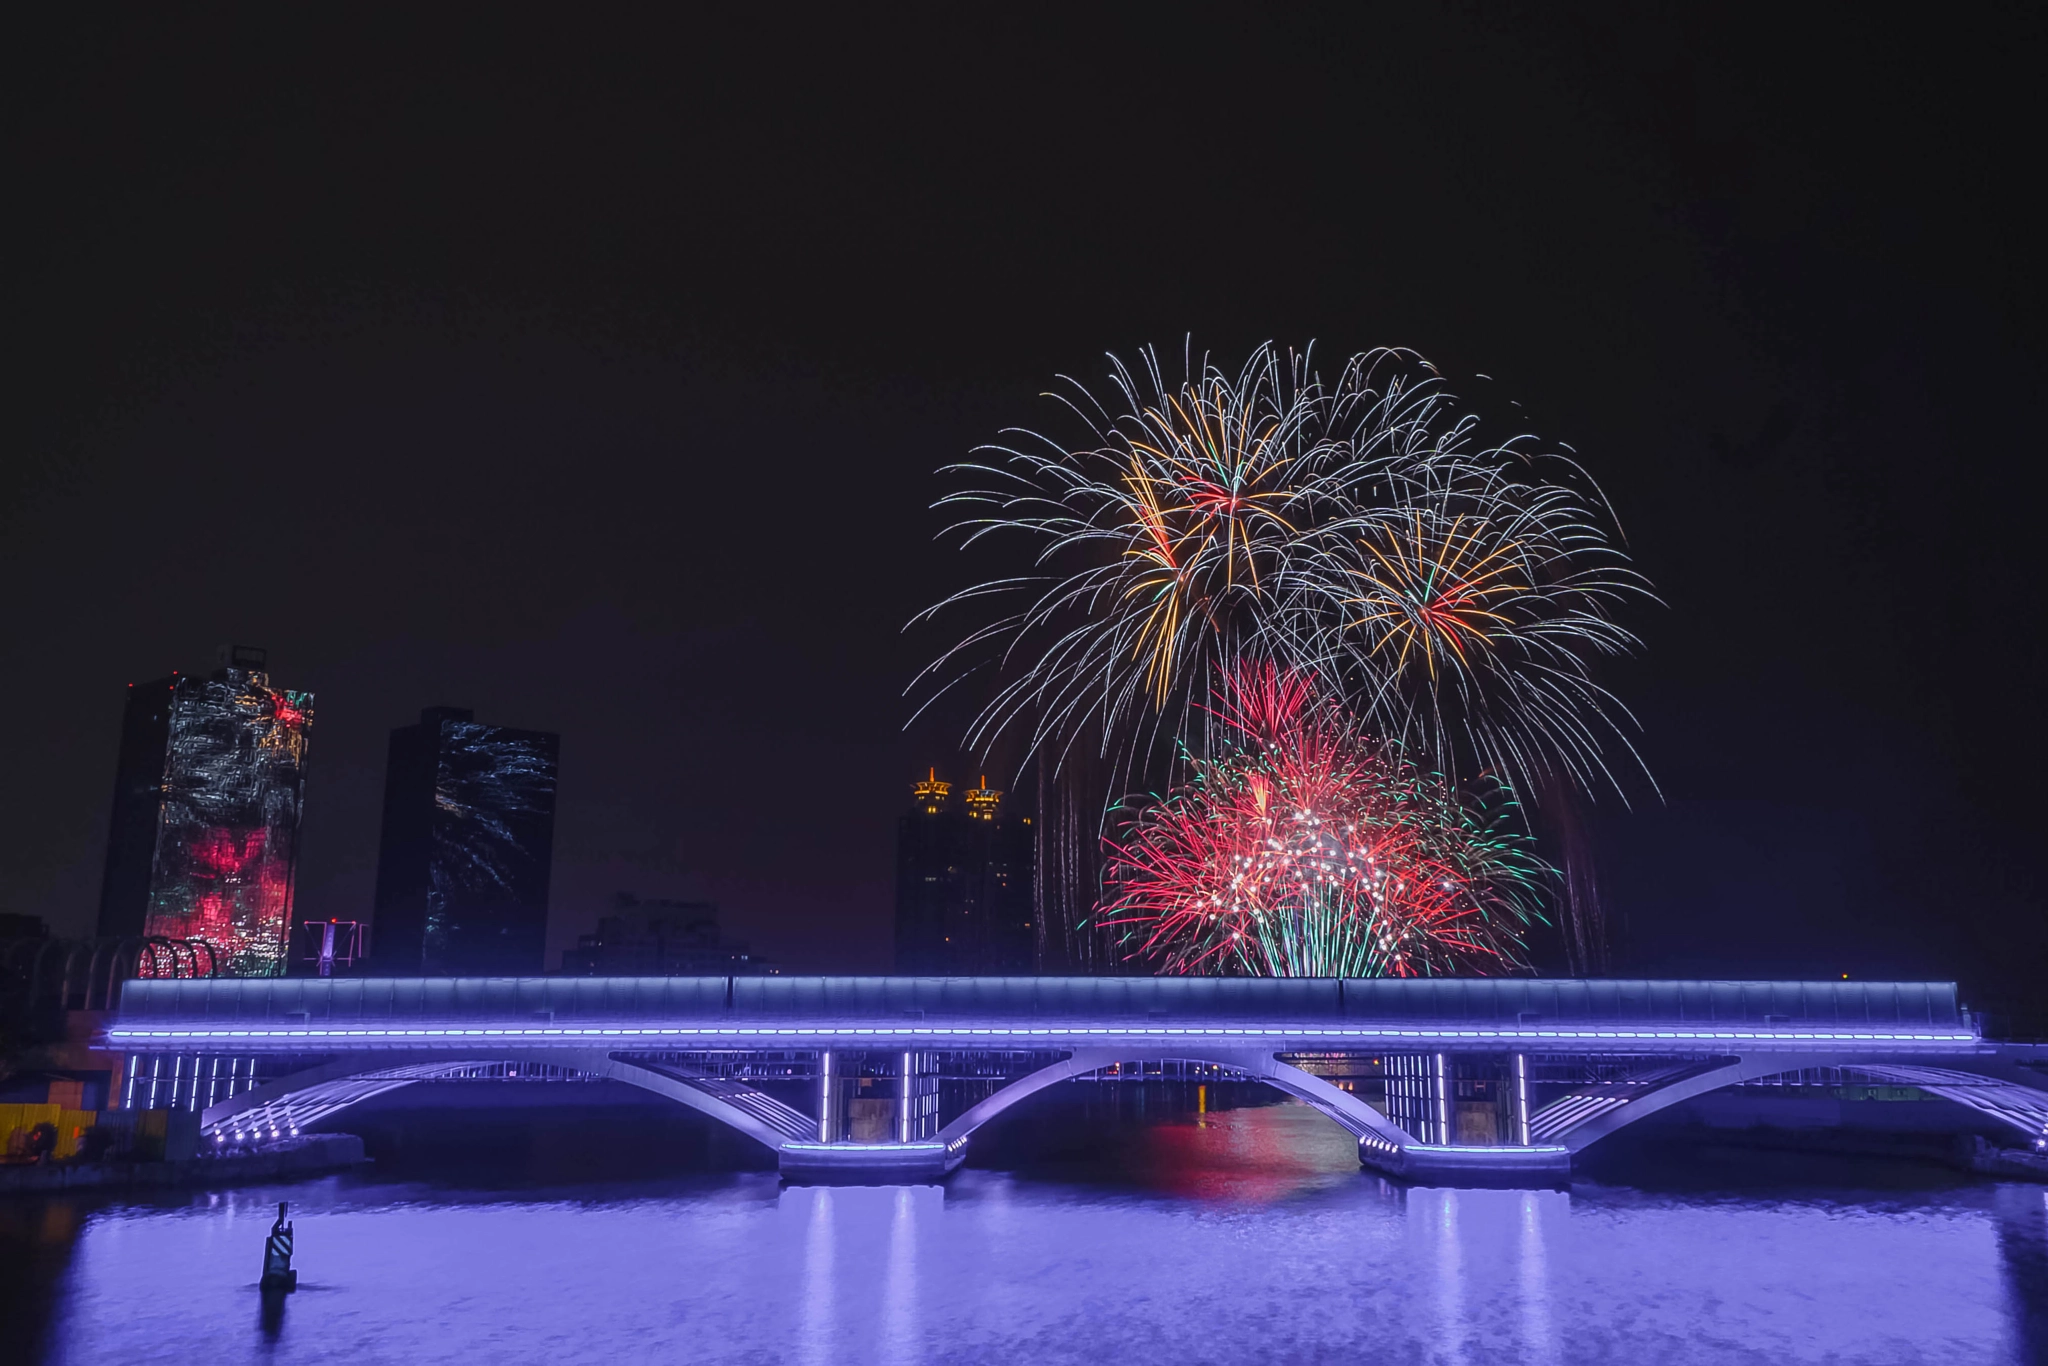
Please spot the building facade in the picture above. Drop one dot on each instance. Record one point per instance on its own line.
(138, 805)
(208, 795)
(467, 848)
(963, 884)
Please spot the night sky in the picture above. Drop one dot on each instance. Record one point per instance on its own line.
(593, 374)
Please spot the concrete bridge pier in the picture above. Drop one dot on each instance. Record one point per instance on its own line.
(1509, 1164)
(878, 1119)
(880, 1164)
(1465, 1120)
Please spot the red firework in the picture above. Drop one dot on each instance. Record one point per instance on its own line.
(1307, 848)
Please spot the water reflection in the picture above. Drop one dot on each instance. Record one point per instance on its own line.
(1539, 1347)
(814, 1206)
(1435, 1214)
(1488, 1274)
(1253, 1238)
(2023, 1249)
(899, 1287)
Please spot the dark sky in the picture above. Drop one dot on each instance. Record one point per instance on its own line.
(592, 373)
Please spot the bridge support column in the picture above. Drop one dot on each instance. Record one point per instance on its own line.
(1419, 1095)
(883, 1135)
(1468, 1119)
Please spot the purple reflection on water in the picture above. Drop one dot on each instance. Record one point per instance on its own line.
(1328, 1264)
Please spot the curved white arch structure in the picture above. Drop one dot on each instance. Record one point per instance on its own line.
(290, 1103)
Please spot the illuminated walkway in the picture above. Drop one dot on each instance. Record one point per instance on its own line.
(887, 1077)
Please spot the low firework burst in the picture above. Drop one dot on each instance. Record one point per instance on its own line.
(1304, 848)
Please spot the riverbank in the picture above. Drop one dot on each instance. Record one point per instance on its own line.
(306, 1155)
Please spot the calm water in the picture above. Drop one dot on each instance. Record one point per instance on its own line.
(1119, 1232)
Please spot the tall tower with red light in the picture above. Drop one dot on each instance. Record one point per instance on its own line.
(212, 779)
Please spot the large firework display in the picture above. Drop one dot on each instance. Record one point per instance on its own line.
(1304, 847)
(1435, 598)
(228, 830)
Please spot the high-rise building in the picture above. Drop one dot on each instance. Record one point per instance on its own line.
(963, 884)
(208, 793)
(467, 848)
(138, 804)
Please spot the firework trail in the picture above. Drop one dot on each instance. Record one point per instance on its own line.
(1454, 594)
(1305, 848)
(1460, 603)
(1163, 548)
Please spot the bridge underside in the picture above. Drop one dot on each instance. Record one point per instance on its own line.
(900, 1115)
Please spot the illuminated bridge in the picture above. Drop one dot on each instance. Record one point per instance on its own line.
(889, 1077)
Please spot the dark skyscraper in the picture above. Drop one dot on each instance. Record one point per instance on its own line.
(203, 842)
(467, 848)
(138, 803)
(963, 884)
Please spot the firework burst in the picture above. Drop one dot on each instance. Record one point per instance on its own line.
(1453, 593)
(1304, 848)
(1164, 545)
(1465, 613)
(1441, 599)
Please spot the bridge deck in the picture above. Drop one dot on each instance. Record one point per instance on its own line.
(1630, 1048)
(1918, 1006)
(315, 1015)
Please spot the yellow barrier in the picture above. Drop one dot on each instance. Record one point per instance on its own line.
(134, 1135)
(17, 1120)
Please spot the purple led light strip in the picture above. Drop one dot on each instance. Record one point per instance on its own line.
(127, 1034)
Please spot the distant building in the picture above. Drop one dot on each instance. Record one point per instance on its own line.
(208, 793)
(656, 938)
(963, 884)
(467, 849)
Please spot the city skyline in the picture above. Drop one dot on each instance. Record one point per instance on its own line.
(410, 921)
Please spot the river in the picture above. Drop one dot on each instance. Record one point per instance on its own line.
(1107, 1227)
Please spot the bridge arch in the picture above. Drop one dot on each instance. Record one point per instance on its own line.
(288, 1104)
(1352, 1114)
(2016, 1097)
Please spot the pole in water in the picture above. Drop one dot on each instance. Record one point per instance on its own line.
(277, 1254)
